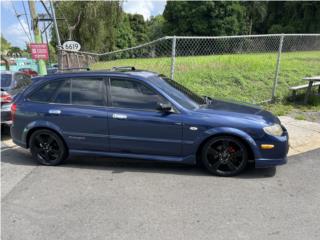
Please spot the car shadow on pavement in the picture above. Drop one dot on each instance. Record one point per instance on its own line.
(5, 133)
(119, 166)
(20, 156)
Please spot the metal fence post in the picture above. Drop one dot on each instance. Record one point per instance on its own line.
(173, 57)
(276, 77)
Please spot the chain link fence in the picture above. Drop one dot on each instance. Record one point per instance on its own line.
(253, 68)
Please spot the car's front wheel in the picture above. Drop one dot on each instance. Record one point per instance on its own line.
(224, 156)
(47, 147)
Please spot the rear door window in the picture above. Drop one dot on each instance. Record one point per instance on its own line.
(82, 91)
(88, 92)
(46, 92)
(63, 95)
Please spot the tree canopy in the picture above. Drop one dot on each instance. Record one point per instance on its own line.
(5, 45)
(102, 26)
(204, 18)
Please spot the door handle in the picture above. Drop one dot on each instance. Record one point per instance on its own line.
(55, 111)
(119, 116)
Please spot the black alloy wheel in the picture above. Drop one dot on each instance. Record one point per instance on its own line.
(224, 156)
(47, 147)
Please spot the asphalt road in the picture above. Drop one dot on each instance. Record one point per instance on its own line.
(90, 198)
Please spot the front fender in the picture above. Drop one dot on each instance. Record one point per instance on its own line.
(39, 124)
(233, 132)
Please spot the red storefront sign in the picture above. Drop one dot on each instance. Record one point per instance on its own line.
(39, 51)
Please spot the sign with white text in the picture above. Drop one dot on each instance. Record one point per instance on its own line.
(39, 51)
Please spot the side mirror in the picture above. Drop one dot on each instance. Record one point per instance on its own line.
(165, 107)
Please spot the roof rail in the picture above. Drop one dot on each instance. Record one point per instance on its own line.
(123, 68)
(73, 69)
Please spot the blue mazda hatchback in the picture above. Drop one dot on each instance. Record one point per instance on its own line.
(140, 114)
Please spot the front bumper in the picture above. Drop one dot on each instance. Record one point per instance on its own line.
(265, 163)
(276, 156)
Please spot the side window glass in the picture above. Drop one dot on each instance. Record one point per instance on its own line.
(23, 81)
(88, 92)
(63, 94)
(132, 94)
(45, 93)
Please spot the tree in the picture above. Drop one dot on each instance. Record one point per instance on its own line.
(204, 18)
(96, 27)
(14, 52)
(292, 17)
(139, 28)
(256, 11)
(5, 46)
(155, 27)
(125, 34)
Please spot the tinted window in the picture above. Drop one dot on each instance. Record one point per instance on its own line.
(132, 94)
(180, 94)
(88, 92)
(45, 93)
(5, 80)
(22, 80)
(63, 94)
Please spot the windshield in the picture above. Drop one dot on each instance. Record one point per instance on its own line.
(5, 80)
(181, 94)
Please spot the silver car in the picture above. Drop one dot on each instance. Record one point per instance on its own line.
(11, 84)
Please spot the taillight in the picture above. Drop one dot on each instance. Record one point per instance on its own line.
(13, 111)
(5, 97)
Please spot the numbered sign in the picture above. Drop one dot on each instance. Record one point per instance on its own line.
(71, 45)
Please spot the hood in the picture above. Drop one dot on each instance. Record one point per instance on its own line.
(238, 110)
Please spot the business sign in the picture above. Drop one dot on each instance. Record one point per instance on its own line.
(39, 51)
(71, 45)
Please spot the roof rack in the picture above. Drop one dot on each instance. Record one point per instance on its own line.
(123, 68)
(74, 69)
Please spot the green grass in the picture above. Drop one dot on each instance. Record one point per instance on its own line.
(243, 77)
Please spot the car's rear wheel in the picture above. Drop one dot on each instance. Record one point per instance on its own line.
(47, 147)
(224, 156)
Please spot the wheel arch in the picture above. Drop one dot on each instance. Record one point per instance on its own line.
(31, 128)
(244, 138)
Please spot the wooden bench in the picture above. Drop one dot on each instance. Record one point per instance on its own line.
(294, 89)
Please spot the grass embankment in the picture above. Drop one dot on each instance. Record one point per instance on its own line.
(244, 77)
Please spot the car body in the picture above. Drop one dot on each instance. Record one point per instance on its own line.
(29, 71)
(144, 115)
(11, 84)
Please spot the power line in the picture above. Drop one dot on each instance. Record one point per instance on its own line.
(25, 13)
(18, 17)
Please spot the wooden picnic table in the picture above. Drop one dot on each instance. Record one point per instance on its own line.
(311, 80)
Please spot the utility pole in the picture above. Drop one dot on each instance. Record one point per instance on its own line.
(37, 34)
(53, 12)
(46, 36)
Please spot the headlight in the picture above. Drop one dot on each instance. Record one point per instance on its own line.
(274, 130)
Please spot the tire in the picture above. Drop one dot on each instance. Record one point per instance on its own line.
(224, 156)
(47, 147)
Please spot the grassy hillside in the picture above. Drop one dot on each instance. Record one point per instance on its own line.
(244, 77)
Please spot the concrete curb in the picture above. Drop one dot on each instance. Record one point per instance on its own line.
(304, 136)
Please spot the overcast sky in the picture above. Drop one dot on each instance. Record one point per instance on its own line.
(11, 28)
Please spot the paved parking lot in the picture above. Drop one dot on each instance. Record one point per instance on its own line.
(91, 198)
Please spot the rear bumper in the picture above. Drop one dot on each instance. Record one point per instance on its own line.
(19, 143)
(6, 114)
(265, 163)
